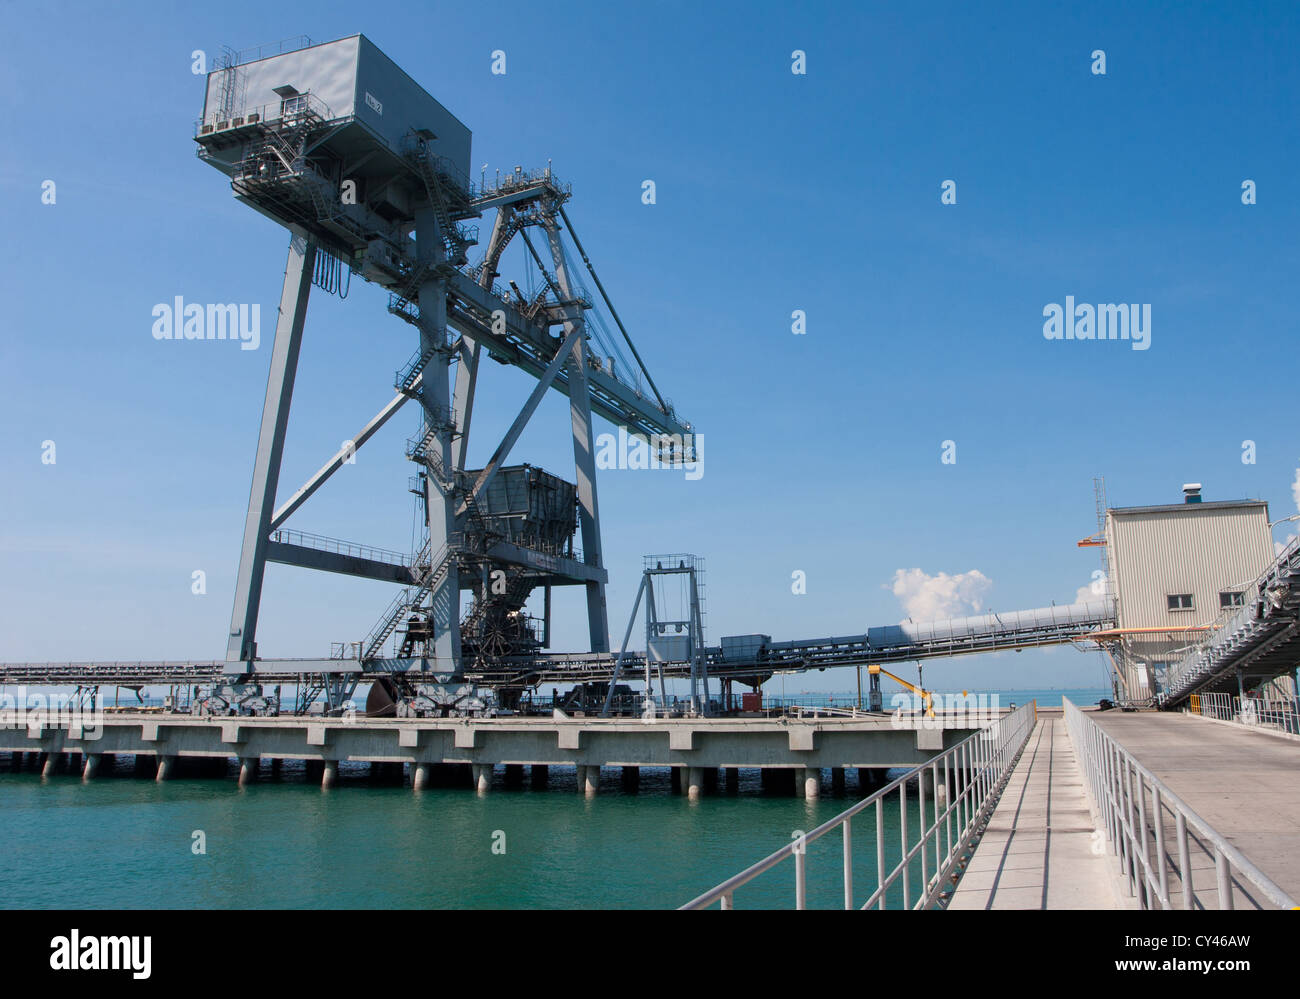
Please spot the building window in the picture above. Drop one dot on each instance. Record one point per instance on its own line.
(1231, 598)
(1180, 601)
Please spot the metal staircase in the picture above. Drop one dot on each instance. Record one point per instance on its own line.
(437, 183)
(431, 573)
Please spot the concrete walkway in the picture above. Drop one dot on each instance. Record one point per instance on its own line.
(1039, 851)
(1245, 784)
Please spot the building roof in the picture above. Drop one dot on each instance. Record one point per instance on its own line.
(1188, 507)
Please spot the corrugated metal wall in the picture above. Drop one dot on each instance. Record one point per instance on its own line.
(1195, 548)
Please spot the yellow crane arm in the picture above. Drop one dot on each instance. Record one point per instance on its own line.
(926, 699)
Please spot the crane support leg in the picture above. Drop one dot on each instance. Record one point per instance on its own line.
(241, 647)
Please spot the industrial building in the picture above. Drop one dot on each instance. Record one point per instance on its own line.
(1174, 571)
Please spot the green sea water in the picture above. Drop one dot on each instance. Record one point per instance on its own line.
(124, 842)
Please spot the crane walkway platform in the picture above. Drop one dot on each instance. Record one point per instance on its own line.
(1042, 848)
(1243, 783)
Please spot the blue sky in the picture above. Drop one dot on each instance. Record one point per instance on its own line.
(775, 192)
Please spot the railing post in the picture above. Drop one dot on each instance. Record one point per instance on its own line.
(902, 820)
(1224, 878)
(1142, 840)
(921, 832)
(1160, 846)
(800, 876)
(1185, 867)
(880, 851)
(848, 863)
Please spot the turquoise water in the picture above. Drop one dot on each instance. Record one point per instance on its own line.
(119, 841)
(123, 842)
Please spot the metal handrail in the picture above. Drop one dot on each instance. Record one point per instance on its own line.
(1121, 788)
(985, 759)
(1273, 714)
(338, 547)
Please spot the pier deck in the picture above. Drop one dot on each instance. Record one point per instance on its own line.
(1039, 850)
(1243, 783)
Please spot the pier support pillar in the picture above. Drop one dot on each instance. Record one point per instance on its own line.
(482, 778)
(92, 766)
(247, 770)
(166, 765)
(420, 776)
(51, 761)
(539, 774)
(694, 783)
(590, 780)
(812, 782)
(330, 775)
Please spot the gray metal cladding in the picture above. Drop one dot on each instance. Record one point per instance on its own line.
(1201, 549)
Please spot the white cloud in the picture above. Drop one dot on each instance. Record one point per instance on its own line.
(926, 598)
(1295, 490)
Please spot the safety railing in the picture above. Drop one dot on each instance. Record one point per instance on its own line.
(337, 547)
(1256, 712)
(972, 774)
(1191, 868)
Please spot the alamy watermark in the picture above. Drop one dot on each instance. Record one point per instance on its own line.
(964, 710)
(655, 451)
(1100, 322)
(21, 709)
(231, 321)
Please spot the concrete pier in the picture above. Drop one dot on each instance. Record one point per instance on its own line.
(92, 766)
(482, 778)
(784, 749)
(247, 770)
(812, 782)
(590, 780)
(694, 783)
(420, 776)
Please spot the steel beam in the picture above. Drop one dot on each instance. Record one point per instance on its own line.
(435, 397)
(349, 565)
(584, 449)
(241, 647)
(340, 459)
(502, 452)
